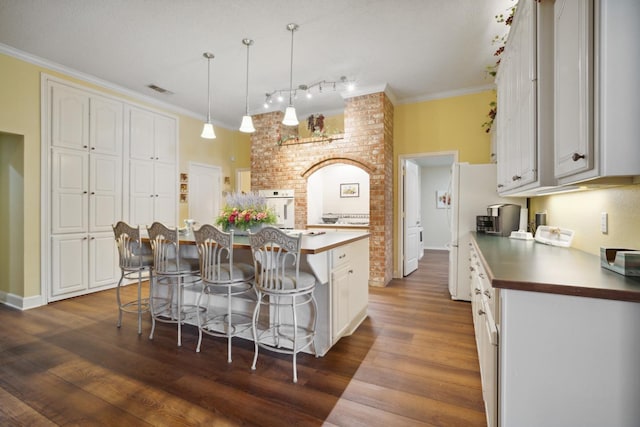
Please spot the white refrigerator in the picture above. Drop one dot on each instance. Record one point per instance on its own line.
(472, 189)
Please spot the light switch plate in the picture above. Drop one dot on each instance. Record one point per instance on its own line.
(604, 223)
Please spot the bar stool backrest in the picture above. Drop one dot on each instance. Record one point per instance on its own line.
(215, 251)
(165, 244)
(130, 249)
(276, 259)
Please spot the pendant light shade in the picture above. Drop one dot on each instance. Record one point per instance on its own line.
(246, 125)
(207, 130)
(290, 118)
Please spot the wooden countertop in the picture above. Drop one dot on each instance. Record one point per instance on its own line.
(530, 266)
(311, 243)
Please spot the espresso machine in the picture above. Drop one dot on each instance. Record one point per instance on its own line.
(501, 220)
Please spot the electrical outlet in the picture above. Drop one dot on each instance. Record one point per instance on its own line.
(604, 223)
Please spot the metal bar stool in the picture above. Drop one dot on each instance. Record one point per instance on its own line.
(172, 273)
(224, 278)
(135, 259)
(285, 289)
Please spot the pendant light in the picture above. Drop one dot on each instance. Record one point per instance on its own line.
(290, 118)
(247, 123)
(207, 130)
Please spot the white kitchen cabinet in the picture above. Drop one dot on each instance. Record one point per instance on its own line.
(485, 312)
(524, 124)
(596, 64)
(568, 360)
(85, 121)
(86, 191)
(82, 262)
(340, 299)
(83, 143)
(349, 287)
(153, 177)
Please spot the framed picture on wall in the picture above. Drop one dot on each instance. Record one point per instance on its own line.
(350, 190)
(443, 199)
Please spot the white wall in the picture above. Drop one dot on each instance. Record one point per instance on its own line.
(435, 222)
(323, 189)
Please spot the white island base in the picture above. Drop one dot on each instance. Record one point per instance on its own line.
(340, 263)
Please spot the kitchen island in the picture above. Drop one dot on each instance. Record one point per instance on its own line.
(339, 260)
(567, 335)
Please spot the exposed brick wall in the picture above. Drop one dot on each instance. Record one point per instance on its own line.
(367, 144)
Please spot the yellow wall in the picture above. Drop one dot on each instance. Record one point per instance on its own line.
(20, 115)
(441, 125)
(230, 150)
(581, 211)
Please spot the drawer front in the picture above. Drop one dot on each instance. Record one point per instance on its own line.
(340, 256)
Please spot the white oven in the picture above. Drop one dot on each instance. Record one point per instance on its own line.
(282, 204)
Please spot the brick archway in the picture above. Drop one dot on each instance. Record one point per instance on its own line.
(367, 144)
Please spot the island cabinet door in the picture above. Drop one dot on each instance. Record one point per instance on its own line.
(340, 300)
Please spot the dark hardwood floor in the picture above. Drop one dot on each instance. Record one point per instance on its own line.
(412, 362)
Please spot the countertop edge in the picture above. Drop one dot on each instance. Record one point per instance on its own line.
(336, 244)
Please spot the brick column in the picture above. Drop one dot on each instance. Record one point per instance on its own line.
(367, 143)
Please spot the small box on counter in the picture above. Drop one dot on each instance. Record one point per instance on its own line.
(622, 261)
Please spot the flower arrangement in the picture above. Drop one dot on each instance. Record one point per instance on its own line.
(244, 211)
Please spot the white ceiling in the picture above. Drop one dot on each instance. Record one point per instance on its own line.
(414, 49)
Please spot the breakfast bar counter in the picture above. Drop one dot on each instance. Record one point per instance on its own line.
(339, 260)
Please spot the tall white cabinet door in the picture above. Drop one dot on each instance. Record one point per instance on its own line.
(141, 134)
(69, 263)
(165, 139)
(573, 86)
(141, 193)
(105, 126)
(105, 195)
(69, 191)
(166, 179)
(69, 117)
(103, 260)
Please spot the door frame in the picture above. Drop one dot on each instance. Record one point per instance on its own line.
(402, 158)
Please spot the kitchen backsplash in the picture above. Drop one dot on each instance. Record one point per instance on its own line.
(582, 211)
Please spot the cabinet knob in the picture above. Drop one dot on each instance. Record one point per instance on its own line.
(93, 193)
(481, 312)
(151, 158)
(476, 291)
(516, 177)
(472, 269)
(481, 275)
(575, 157)
(500, 185)
(350, 271)
(85, 146)
(487, 294)
(150, 195)
(157, 158)
(156, 195)
(84, 192)
(93, 148)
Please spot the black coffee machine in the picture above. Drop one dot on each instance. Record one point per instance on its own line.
(501, 220)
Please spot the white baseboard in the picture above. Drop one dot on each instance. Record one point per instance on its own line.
(434, 248)
(21, 303)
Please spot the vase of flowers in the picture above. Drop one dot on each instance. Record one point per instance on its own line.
(243, 212)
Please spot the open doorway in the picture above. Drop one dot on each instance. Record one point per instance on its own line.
(422, 178)
(12, 218)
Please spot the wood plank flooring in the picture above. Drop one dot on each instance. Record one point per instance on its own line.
(412, 362)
